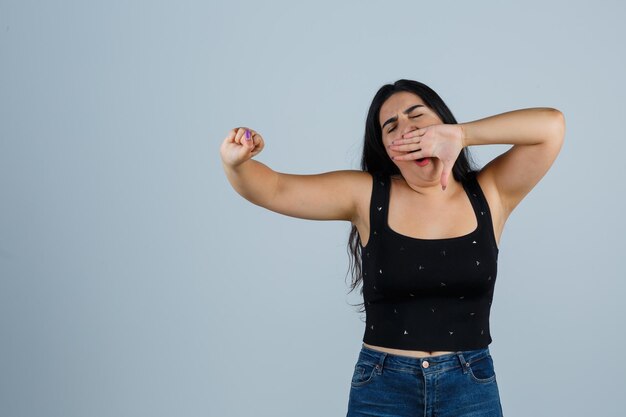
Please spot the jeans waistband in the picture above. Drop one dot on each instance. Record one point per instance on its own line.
(427, 364)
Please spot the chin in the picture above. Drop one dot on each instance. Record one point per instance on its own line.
(430, 172)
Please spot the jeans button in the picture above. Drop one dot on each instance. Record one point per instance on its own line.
(425, 364)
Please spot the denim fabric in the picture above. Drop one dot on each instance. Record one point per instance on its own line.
(460, 384)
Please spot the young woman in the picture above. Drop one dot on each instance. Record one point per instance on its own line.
(424, 240)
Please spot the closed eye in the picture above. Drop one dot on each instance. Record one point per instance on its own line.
(414, 117)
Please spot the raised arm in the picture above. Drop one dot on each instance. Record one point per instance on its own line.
(536, 134)
(329, 196)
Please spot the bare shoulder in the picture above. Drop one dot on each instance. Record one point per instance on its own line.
(361, 179)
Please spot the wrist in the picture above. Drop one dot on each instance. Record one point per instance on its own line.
(465, 142)
(232, 167)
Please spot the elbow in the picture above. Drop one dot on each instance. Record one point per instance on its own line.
(557, 127)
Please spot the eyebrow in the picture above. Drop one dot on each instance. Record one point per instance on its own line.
(395, 118)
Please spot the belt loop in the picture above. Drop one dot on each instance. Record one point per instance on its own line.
(381, 363)
(464, 364)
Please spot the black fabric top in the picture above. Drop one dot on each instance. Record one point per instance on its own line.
(428, 294)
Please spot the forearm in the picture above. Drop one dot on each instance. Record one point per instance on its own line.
(254, 181)
(519, 127)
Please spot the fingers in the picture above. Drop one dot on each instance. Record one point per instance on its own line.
(241, 136)
(253, 143)
(406, 140)
(445, 175)
(248, 142)
(410, 156)
(240, 145)
(409, 147)
(408, 144)
(414, 134)
(247, 138)
(241, 131)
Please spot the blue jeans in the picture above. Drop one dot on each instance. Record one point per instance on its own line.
(460, 384)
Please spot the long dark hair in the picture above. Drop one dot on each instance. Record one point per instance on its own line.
(375, 158)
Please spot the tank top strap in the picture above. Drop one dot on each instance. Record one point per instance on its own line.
(379, 203)
(481, 207)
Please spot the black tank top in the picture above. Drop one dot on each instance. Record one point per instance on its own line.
(428, 294)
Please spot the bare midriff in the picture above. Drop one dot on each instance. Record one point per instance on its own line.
(411, 353)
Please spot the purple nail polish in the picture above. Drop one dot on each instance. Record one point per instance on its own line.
(247, 134)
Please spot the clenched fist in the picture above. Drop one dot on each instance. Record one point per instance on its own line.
(240, 145)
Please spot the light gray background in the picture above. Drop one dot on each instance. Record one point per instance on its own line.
(135, 282)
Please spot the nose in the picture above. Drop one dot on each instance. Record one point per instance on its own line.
(409, 128)
(409, 125)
